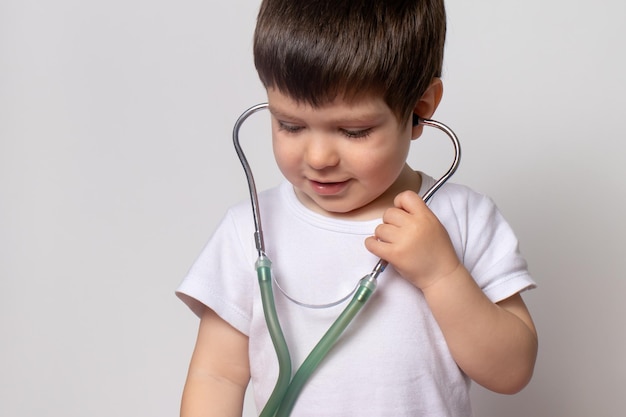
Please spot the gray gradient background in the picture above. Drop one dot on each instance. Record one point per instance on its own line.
(116, 164)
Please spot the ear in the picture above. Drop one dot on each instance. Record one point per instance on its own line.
(427, 104)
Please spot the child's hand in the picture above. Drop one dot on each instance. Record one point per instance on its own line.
(412, 239)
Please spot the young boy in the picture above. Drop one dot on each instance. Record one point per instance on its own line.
(343, 80)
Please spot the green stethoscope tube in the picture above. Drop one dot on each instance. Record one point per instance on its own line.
(264, 273)
(286, 391)
(319, 352)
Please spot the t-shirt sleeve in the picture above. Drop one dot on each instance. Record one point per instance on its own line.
(497, 262)
(488, 246)
(222, 277)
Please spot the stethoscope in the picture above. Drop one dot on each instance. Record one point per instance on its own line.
(287, 389)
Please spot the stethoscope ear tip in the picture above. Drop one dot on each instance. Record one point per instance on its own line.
(416, 119)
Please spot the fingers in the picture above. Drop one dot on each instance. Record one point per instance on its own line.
(378, 247)
(409, 201)
(397, 222)
(386, 232)
(401, 227)
(413, 241)
(407, 204)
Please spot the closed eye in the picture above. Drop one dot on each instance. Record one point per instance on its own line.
(356, 134)
(289, 128)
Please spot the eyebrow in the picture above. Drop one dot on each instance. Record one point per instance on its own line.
(277, 113)
(369, 117)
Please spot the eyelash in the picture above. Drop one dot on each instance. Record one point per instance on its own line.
(289, 128)
(357, 134)
(351, 134)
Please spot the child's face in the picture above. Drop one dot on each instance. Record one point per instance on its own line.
(343, 158)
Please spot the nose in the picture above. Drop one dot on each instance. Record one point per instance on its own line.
(321, 152)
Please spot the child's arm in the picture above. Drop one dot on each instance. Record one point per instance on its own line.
(219, 371)
(494, 344)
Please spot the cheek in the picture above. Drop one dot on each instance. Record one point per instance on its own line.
(384, 164)
(285, 156)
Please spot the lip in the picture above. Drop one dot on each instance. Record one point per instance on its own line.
(328, 188)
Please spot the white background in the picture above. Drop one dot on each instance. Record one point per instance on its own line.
(116, 164)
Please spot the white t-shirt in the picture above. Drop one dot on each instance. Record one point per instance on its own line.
(392, 360)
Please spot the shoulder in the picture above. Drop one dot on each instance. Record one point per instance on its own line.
(472, 218)
(483, 239)
(459, 201)
(268, 200)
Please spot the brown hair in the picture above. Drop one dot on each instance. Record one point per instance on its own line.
(317, 50)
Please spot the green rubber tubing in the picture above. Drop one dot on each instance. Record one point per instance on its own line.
(363, 293)
(278, 339)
